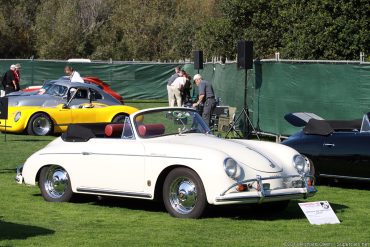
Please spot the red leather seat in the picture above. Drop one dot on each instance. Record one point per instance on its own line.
(147, 130)
(113, 130)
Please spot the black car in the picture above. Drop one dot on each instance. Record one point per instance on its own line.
(338, 149)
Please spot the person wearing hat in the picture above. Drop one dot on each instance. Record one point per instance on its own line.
(17, 76)
(8, 81)
(206, 96)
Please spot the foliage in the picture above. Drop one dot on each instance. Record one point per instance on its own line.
(170, 30)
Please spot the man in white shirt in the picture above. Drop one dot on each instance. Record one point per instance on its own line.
(171, 95)
(177, 86)
(74, 76)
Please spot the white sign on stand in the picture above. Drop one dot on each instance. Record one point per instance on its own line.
(319, 213)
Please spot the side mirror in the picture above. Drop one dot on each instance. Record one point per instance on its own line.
(65, 106)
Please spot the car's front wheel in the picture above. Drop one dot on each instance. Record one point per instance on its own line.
(55, 184)
(183, 194)
(40, 124)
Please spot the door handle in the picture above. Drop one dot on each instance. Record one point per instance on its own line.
(86, 153)
(330, 145)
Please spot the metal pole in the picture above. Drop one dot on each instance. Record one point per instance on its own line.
(245, 106)
(5, 131)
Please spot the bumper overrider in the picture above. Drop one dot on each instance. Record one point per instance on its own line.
(263, 194)
(19, 177)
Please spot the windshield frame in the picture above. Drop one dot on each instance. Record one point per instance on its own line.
(65, 88)
(202, 127)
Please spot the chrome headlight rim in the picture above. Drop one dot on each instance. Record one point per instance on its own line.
(17, 116)
(300, 163)
(231, 168)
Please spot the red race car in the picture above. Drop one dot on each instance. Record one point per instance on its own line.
(88, 79)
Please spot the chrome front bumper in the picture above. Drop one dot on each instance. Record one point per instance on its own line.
(264, 195)
(19, 177)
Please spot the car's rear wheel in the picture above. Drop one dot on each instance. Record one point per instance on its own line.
(55, 184)
(40, 124)
(183, 194)
(119, 118)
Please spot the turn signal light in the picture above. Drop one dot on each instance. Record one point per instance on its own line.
(309, 182)
(241, 187)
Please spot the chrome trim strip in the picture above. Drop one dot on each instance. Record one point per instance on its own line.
(259, 180)
(131, 155)
(310, 190)
(345, 177)
(244, 198)
(112, 192)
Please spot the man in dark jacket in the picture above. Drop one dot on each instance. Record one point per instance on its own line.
(206, 96)
(8, 81)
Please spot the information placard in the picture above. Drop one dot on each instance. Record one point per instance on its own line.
(319, 213)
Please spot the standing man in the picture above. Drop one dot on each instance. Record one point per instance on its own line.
(206, 96)
(171, 94)
(177, 87)
(8, 81)
(74, 76)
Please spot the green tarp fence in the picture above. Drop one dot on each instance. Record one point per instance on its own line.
(331, 90)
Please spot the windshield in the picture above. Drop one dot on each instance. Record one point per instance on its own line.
(169, 122)
(56, 90)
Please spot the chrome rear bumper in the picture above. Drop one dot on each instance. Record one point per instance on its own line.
(265, 195)
(19, 177)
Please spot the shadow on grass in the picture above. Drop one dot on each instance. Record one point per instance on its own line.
(29, 140)
(8, 170)
(254, 212)
(237, 212)
(10, 231)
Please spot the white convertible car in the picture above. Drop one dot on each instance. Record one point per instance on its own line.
(168, 154)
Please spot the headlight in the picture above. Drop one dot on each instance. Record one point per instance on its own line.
(17, 116)
(231, 168)
(300, 163)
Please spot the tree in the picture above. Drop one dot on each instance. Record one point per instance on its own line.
(16, 35)
(58, 30)
(326, 29)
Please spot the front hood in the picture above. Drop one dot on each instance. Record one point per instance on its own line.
(242, 152)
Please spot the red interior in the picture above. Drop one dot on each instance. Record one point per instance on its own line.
(113, 130)
(146, 130)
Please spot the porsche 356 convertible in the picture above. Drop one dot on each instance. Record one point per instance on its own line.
(168, 154)
(339, 149)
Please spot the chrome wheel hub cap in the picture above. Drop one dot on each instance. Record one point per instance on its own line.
(183, 195)
(41, 126)
(56, 182)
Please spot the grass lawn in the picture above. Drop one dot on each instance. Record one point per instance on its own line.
(27, 220)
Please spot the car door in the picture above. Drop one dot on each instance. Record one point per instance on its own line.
(62, 117)
(83, 115)
(111, 166)
(345, 154)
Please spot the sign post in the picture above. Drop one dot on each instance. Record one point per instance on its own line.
(4, 111)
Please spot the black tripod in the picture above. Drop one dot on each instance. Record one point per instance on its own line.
(247, 126)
